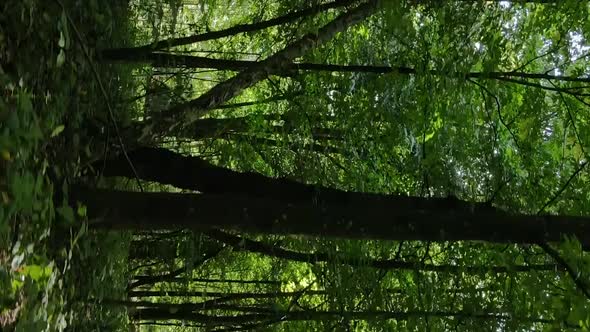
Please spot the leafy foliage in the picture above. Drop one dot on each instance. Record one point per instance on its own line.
(481, 100)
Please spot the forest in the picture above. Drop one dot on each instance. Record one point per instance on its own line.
(302, 165)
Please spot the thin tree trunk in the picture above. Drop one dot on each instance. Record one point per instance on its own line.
(284, 316)
(189, 307)
(236, 105)
(257, 102)
(241, 243)
(149, 280)
(141, 278)
(274, 143)
(186, 113)
(123, 54)
(215, 127)
(189, 61)
(179, 324)
(222, 297)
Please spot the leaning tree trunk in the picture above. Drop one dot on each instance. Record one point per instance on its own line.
(124, 54)
(186, 113)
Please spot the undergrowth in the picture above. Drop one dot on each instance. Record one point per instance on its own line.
(49, 93)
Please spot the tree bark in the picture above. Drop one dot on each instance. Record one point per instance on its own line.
(223, 296)
(142, 278)
(190, 61)
(282, 316)
(359, 216)
(193, 173)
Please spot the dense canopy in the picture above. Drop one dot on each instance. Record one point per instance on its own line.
(339, 165)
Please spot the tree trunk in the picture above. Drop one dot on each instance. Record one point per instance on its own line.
(123, 54)
(283, 316)
(201, 259)
(221, 296)
(191, 111)
(214, 127)
(360, 216)
(190, 61)
(165, 250)
(142, 278)
(193, 173)
(241, 243)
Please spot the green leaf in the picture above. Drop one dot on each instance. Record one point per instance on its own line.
(57, 130)
(61, 58)
(13, 122)
(62, 40)
(81, 210)
(37, 272)
(67, 213)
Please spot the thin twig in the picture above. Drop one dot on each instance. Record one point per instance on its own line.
(569, 269)
(564, 187)
(571, 117)
(539, 86)
(499, 110)
(537, 58)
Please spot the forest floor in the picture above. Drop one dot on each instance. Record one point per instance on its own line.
(49, 91)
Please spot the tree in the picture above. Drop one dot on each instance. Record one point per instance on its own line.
(189, 112)
(433, 157)
(363, 216)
